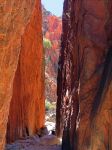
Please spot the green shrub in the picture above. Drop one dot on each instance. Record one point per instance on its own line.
(49, 106)
(47, 43)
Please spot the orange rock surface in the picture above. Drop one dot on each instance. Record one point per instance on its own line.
(27, 112)
(18, 20)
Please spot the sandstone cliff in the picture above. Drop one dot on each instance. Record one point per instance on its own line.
(20, 33)
(86, 39)
(27, 104)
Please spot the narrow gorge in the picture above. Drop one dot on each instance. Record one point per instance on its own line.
(84, 82)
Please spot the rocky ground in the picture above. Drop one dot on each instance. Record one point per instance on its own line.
(47, 141)
(36, 143)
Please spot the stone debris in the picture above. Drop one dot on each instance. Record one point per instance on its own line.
(50, 140)
(47, 142)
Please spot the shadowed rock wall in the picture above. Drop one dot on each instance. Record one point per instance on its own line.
(86, 39)
(27, 108)
(14, 19)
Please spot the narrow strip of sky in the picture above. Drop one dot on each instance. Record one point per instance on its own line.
(54, 6)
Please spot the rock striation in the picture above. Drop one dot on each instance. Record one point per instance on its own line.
(27, 104)
(86, 47)
(21, 52)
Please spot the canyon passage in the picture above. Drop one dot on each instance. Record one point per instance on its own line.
(84, 85)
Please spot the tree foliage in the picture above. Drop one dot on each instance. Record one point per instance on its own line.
(47, 43)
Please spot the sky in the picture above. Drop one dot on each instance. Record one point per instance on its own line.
(54, 6)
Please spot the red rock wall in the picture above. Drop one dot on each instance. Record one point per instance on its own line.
(87, 30)
(14, 17)
(101, 116)
(27, 111)
(52, 29)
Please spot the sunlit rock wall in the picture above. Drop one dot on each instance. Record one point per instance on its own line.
(14, 15)
(27, 108)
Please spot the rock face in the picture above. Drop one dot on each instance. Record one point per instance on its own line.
(26, 113)
(84, 87)
(52, 29)
(17, 17)
(101, 116)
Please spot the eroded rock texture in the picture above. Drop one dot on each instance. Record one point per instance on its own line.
(27, 112)
(101, 116)
(52, 29)
(14, 17)
(86, 41)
